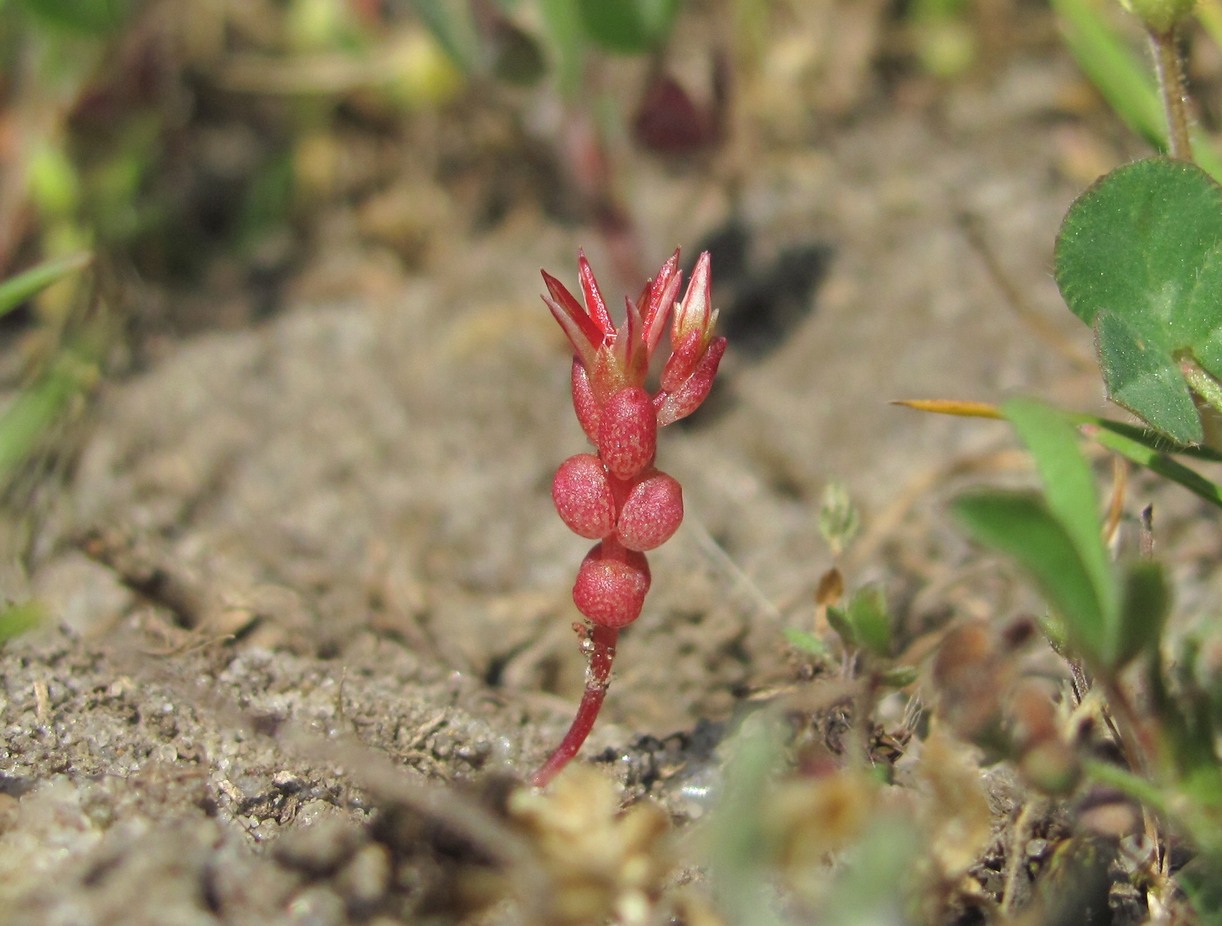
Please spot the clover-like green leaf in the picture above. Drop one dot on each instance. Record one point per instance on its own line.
(1139, 258)
(1145, 380)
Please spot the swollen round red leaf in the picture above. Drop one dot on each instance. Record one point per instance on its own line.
(584, 403)
(583, 498)
(651, 513)
(628, 432)
(611, 585)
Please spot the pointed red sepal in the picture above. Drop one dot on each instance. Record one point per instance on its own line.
(582, 332)
(688, 397)
(695, 312)
(657, 300)
(629, 346)
(595, 303)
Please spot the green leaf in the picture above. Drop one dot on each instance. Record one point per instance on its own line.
(1122, 78)
(1145, 380)
(454, 29)
(1146, 448)
(16, 290)
(805, 641)
(1139, 257)
(629, 27)
(16, 619)
(1145, 601)
(838, 618)
(899, 676)
(25, 421)
(867, 613)
(1022, 526)
(83, 17)
(864, 623)
(567, 40)
(1069, 489)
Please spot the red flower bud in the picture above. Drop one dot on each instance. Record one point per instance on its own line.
(611, 585)
(583, 497)
(695, 389)
(628, 432)
(651, 513)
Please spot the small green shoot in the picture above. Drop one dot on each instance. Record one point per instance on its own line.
(29, 283)
(839, 520)
(1107, 615)
(805, 642)
(16, 619)
(864, 623)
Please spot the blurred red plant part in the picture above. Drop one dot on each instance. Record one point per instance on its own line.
(583, 497)
(669, 122)
(651, 513)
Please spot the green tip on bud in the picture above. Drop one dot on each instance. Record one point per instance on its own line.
(839, 519)
(1160, 16)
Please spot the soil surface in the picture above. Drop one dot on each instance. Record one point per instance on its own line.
(309, 599)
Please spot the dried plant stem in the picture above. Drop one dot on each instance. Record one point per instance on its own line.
(598, 676)
(1170, 72)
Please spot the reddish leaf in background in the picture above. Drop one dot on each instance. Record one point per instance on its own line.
(669, 122)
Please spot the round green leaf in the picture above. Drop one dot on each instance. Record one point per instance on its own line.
(1139, 258)
(628, 26)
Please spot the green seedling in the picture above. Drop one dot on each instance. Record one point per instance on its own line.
(16, 619)
(28, 417)
(1106, 614)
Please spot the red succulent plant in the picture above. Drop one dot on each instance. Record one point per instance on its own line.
(617, 496)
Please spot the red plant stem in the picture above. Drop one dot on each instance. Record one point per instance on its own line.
(598, 677)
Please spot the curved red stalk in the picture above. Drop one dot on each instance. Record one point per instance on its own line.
(598, 677)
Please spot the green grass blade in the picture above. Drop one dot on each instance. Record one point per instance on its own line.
(16, 290)
(1142, 449)
(33, 411)
(1069, 488)
(1125, 80)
